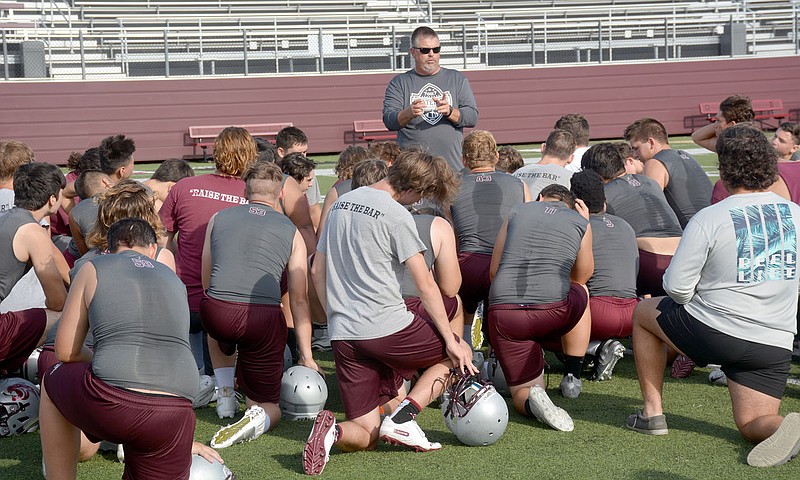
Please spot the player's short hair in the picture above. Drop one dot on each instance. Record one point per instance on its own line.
(35, 183)
(418, 32)
(624, 149)
(13, 154)
(604, 159)
(348, 159)
(369, 171)
(90, 160)
(737, 108)
(73, 161)
(115, 152)
(172, 170)
(234, 151)
(510, 160)
(126, 199)
(746, 158)
(89, 183)
(266, 150)
(425, 174)
(130, 232)
(588, 186)
(289, 137)
(386, 151)
(560, 144)
(577, 125)
(297, 165)
(792, 129)
(263, 178)
(558, 192)
(479, 149)
(645, 128)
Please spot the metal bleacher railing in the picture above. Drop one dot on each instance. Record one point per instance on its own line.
(148, 38)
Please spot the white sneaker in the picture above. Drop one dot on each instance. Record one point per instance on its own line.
(227, 403)
(206, 393)
(407, 434)
(120, 453)
(546, 412)
(250, 427)
(476, 330)
(780, 447)
(717, 377)
(316, 453)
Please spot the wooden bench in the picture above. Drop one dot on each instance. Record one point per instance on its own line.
(204, 136)
(372, 130)
(768, 109)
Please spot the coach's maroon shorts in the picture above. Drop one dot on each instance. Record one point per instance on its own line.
(612, 317)
(370, 371)
(474, 279)
(20, 333)
(651, 273)
(414, 304)
(156, 430)
(259, 332)
(515, 332)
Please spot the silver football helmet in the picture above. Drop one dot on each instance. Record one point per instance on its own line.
(492, 372)
(202, 469)
(287, 358)
(30, 369)
(303, 393)
(19, 407)
(474, 411)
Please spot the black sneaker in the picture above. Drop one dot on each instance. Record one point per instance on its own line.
(655, 425)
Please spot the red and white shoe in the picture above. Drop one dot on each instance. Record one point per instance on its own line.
(407, 434)
(318, 447)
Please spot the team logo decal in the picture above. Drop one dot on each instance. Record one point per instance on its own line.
(142, 263)
(550, 210)
(428, 93)
(483, 178)
(257, 211)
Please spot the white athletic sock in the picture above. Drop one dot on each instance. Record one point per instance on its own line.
(224, 377)
(267, 424)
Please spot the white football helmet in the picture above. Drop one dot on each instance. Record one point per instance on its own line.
(474, 411)
(303, 393)
(492, 372)
(202, 469)
(19, 407)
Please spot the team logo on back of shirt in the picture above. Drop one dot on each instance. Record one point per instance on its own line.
(428, 93)
(142, 263)
(766, 243)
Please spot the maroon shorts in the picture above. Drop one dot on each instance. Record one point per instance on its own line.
(259, 332)
(651, 273)
(414, 304)
(370, 371)
(612, 317)
(70, 258)
(515, 332)
(474, 279)
(20, 333)
(46, 360)
(156, 430)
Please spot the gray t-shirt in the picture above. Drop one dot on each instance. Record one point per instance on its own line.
(85, 216)
(431, 130)
(6, 200)
(736, 268)
(689, 188)
(313, 194)
(638, 200)
(250, 248)
(367, 238)
(423, 223)
(483, 203)
(11, 269)
(343, 187)
(139, 318)
(539, 176)
(541, 247)
(616, 257)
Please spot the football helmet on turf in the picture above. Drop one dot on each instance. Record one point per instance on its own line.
(474, 411)
(202, 469)
(19, 407)
(303, 393)
(494, 374)
(30, 369)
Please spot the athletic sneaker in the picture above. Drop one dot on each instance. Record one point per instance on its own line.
(655, 425)
(682, 367)
(476, 330)
(608, 354)
(227, 403)
(407, 434)
(250, 427)
(318, 446)
(206, 392)
(780, 447)
(717, 377)
(546, 412)
(120, 453)
(570, 386)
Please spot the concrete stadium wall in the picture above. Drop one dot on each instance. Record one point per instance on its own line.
(517, 105)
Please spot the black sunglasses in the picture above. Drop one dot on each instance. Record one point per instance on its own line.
(427, 50)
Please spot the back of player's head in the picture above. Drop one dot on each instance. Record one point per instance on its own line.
(297, 166)
(577, 125)
(234, 151)
(746, 158)
(792, 129)
(126, 199)
(479, 149)
(737, 108)
(645, 128)
(35, 183)
(369, 171)
(588, 186)
(386, 151)
(12, 155)
(73, 161)
(266, 151)
(419, 32)
(90, 160)
(605, 160)
(560, 144)
(90, 183)
(130, 233)
(624, 149)
(424, 174)
(288, 137)
(509, 159)
(115, 151)
(559, 193)
(172, 170)
(348, 159)
(263, 179)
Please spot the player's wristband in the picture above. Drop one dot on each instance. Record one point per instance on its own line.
(451, 111)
